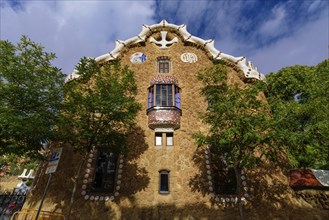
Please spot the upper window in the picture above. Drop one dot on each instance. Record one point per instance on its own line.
(158, 139)
(104, 178)
(167, 136)
(164, 95)
(163, 64)
(170, 139)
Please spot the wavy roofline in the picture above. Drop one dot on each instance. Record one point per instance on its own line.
(247, 68)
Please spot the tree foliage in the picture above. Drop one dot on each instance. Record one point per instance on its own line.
(299, 100)
(31, 97)
(239, 121)
(100, 106)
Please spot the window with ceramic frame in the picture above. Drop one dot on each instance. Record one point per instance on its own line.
(225, 182)
(105, 172)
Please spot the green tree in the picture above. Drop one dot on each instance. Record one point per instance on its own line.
(299, 100)
(31, 97)
(239, 120)
(99, 109)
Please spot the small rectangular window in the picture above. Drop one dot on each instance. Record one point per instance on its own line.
(169, 139)
(158, 139)
(163, 65)
(164, 182)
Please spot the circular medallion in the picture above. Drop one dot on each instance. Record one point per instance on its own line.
(138, 58)
(189, 58)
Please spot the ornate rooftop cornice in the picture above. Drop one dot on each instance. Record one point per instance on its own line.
(246, 67)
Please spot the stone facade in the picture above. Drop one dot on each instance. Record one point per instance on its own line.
(136, 194)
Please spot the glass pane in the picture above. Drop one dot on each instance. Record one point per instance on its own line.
(170, 101)
(104, 178)
(177, 97)
(164, 95)
(158, 139)
(164, 182)
(170, 139)
(224, 177)
(158, 95)
(150, 97)
(164, 66)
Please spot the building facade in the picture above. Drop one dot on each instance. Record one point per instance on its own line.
(164, 175)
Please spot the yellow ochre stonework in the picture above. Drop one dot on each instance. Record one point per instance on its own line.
(189, 197)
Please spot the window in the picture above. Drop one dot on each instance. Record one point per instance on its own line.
(164, 134)
(164, 182)
(163, 64)
(166, 95)
(104, 178)
(169, 139)
(158, 139)
(224, 177)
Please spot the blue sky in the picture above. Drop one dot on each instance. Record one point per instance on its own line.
(271, 33)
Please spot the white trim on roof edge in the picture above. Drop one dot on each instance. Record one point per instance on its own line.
(247, 67)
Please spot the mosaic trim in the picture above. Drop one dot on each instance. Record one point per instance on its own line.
(164, 80)
(189, 57)
(223, 198)
(160, 118)
(88, 178)
(138, 58)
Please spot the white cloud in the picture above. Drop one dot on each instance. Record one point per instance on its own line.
(315, 5)
(76, 29)
(275, 25)
(73, 29)
(308, 46)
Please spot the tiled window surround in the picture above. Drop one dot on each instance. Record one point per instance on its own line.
(219, 198)
(88, 190)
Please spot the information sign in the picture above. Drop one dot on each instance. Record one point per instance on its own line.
(53, 161)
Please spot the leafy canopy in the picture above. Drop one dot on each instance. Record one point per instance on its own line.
(239, 120)
(299, 100)
(31, 97)
(100, 106)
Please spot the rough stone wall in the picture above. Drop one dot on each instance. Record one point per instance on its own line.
(139, 198)
(317, 198)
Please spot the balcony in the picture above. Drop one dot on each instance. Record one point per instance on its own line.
(164, 117)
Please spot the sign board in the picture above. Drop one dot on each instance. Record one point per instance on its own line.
(53, 161)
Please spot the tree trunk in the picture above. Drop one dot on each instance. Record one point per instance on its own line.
(238, 181)
(75, 181)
